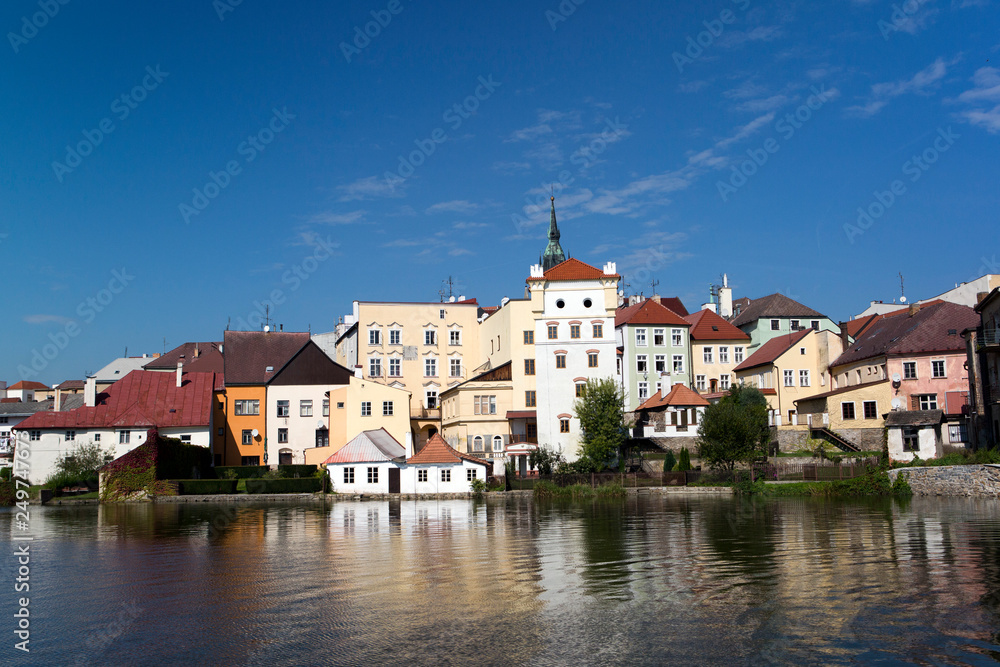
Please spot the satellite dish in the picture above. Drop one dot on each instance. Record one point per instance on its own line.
(255, 432)
(902, 299)
(267, 328)
(896, 378)
(896, 404)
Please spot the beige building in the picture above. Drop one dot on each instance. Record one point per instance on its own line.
(717, 348)
(475, 413)
(508, 336)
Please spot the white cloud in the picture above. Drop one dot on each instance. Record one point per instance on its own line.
(47, 319)
(511, 167)
(330, 218)
(453, 206)
(986, 89)
(921, 83)
(470, 225)
(762, 33)
(370, 187)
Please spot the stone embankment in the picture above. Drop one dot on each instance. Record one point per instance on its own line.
(976, 481)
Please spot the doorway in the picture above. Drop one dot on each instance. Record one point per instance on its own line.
(393, 480)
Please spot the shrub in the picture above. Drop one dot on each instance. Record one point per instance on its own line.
(292, 471)
(241, 472)
(669, 461)
(6, 474)
(78, 468)
(685, 463)
(284, 485)
(204, 487)
(478, 486)
(7, 493)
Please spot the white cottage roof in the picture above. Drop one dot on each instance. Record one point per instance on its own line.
(369, 447)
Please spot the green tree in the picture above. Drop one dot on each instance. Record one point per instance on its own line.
(669, 461)
(80, 465)
(734, 429)
(602, 420)
(685, 462)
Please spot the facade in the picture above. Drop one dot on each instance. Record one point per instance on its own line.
(656, 351)
(474, 414)
(717, 347)
(776, 315)
(508, 336)
(438, 468)
(15, 412)
(361, 405)
(983, 363)
(573, 307)
(119, 368)
(28, 391)
(671, 417)
(914, 433)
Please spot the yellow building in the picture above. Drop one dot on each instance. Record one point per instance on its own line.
(717, 348)
(508, 336)
(475, 413)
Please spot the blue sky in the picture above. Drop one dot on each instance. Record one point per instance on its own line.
(331, 167)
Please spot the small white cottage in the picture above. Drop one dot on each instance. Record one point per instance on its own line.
(914, 433)
(370, 463)
(437, 468)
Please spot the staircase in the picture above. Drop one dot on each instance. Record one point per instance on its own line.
(823, 433)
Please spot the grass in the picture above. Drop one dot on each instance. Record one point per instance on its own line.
(546, 489)
(960, 458)
(875, 484)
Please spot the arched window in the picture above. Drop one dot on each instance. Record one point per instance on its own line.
(477, 443)
(497, 443)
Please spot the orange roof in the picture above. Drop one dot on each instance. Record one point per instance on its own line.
(574, 269)
(706, 325)
(679, 395)
(437, 451)
(772, 349)
(648, 312)
(28, 384)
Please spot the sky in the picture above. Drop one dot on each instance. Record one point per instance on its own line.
(173, 168)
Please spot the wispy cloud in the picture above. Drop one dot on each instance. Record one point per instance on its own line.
(369, 187)
(47, 319)
(453, 206)
(923, 82)
(984, 97)
(511, 167)
(331, 218)
(762, 33)
(470, 225)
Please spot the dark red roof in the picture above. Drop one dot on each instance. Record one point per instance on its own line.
(706, 325)
(521, 414)
(900, 333)
(248, 354)
(648, 312)
(197, 358)
(28, 384)
(72, 384)
(773, 349)
(772, 305)
(674, 303)
(10, 400)
(438, 451)
(679, 395)
(141, 398)
(574, 269)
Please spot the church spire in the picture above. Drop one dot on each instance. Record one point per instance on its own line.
(553, 251)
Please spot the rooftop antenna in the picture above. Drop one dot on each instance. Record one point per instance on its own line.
(446, 294)
(164, 345)
(228, 320)
(902, 293)
(653, 283)
(268, 322)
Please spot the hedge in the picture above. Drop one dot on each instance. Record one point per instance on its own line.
(286, 485)
(297, 470)
(198, 487)
(242, 472)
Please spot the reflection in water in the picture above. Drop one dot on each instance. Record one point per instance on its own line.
(647, 580)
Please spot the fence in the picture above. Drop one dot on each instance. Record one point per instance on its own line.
(593, 480)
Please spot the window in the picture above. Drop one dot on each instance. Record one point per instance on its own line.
(723, 354)
(485, 405)
(34, 435)
(928, 401)
(659, 337)
(394, 336)
(477, 443)
(326, 407)
(581, 389)
(724, 382)
(789, 378)
(699, 382)
(124, 437)
(441, 314)
(814, 325)
(804, 378)
(421, 475)
(375, 367)
(795, 325)
(430, 368)
(470, 474)
(678, 363)
(870, 409)
(305, 408)
(348, 475)
(738, 354)
(455, 368)
(564, 426)
(386, 408)
(373, 475)
(640, 337)
(957, 433)
(553, 331)
(641, 363)
(560, 361)
(775, 325)
(643, 391)
(598, 331)
(802, 351)
(340, 405)
(937, 369)
(911, 439)
(446, 475)
(246, 407)
(676, 337)
(374, 336)
(529, 366)
(395, 367)
(97, 436)
(529, 337)
(70, 436)
(282, 435)
(531, 431)
(660, 363)
(847, 410)
(431, 396)
(430, 337)
(707, 354)
(909, 370)
(497, 443)
(366, 408)
(529, 399)
(454, 337)
(592, 360)
(574, 331)
(250, 461)
(3, 420)
(283, 407)
(186, 438)
(247, 436)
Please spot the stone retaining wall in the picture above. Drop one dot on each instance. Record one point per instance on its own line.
(867, 439)
(978, 481)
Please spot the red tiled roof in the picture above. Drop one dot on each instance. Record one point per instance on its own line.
(573, 269)
(772, 349)
(10, 400)
(674, 303)
(248, 354)
(208, 359)
(842, 390)
(706, 325)
(28, 384)
(72, 384)
(679, 395)
(772, 305)
(437, 451)
(141, 398)
(648, 312)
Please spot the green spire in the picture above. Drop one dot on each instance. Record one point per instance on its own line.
(553, 251)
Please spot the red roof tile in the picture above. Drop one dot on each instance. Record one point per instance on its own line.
(675, 304)
(648, 312)
(197, 358)
(573, 269)
(706, 325)
(141, 398)
(773, 349)
(28, 384)
(772, 305)
(679, 395)
(437, 451)
(248, 354)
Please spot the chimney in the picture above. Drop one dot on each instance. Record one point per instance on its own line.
(90, 391)
(664, 384)
(196, 351)
(57, 402)
(914, 309)
(725, 298)
(845, 339)
(180, 373)
(358, 371)
(409, 445)
(980, 296)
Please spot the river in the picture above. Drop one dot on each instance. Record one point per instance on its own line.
(648, 580)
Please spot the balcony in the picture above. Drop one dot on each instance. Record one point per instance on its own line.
(425, 413)
(988, 339)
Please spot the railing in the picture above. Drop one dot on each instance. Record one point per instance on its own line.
(425, 413)
(833, 439)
